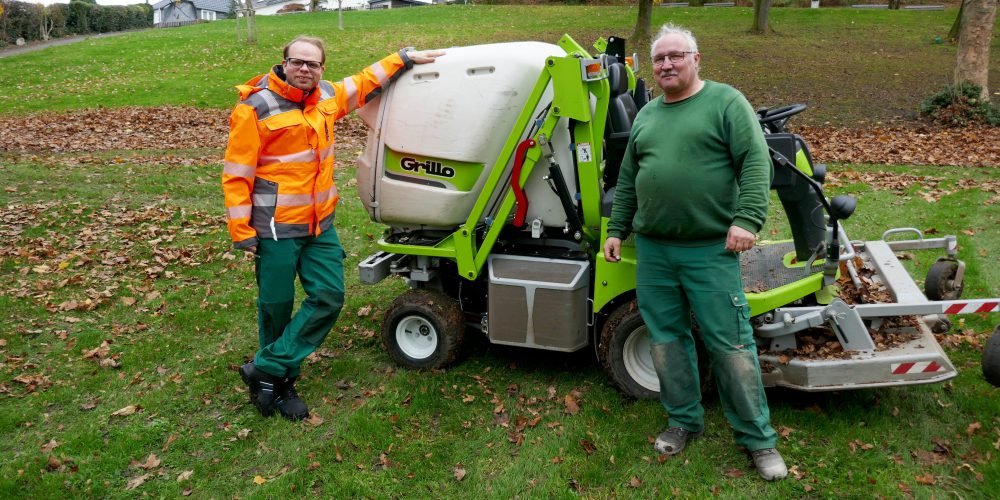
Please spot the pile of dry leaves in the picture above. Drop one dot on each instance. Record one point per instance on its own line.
(822, 342)
(171, 127)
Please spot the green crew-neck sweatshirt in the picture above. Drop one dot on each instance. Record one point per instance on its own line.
(692, 169)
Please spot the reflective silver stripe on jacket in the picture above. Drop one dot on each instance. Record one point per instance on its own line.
(238, 212)
(351, 91)
(238, 170)
(326, 91)
(300, 157)
(380, 73)
(326, 153)
(267, 104)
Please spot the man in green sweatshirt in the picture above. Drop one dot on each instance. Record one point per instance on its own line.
(694, 188)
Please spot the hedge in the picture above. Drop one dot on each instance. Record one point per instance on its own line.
(79, 17)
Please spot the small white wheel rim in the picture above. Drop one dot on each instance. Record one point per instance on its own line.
(638, 361)
(416, 337)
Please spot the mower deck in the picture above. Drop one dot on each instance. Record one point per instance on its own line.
(918, 361)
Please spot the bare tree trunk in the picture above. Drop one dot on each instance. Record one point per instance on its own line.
(244, 10)
(47, 25)
(953, 33)
(761, 8)
(975, 36)
(643, 23)
(340, 14)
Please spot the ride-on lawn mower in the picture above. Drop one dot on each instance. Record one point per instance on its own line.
(494, 169)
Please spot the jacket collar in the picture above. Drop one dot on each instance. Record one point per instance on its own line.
(277, 84)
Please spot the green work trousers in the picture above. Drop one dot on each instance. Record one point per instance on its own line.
(674, 281)
(286, 340)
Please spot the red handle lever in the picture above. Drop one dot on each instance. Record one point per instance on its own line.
(522, 199)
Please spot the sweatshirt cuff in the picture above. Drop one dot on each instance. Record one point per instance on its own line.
(614, 233)
(747, 224)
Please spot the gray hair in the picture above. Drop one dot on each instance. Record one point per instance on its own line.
(672, 29)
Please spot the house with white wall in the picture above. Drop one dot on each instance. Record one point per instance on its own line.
(180, 12)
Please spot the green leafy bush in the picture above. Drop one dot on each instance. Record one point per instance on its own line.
(959, 105)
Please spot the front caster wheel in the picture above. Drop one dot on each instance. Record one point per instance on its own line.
(423, 330)
(942, 281)
(991, 358)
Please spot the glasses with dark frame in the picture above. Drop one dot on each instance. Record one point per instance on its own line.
(673, 57)
(295, 63)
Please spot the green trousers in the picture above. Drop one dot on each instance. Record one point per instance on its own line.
(286, 340)
(671, 283)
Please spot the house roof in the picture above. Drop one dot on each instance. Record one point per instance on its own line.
(265, 3)
(414, 2)
(216, 5)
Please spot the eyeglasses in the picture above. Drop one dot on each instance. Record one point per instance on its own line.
(297, 63)
(673, 57)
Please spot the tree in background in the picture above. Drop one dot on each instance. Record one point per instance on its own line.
(953, 32)
(643, 24)
(761, 9)
(974, 38)
(246, 13)
(47, 23)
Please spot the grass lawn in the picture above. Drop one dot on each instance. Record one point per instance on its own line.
(847, 64)
(126, 313)
(120, 293)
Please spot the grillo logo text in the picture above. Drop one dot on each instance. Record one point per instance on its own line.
(429, 167)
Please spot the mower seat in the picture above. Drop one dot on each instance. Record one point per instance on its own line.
(801, 203)
(621, 113)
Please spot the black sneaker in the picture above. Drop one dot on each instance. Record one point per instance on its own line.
(263, 388)
(288, 402)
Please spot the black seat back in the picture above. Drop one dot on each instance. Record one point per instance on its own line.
(621, 113)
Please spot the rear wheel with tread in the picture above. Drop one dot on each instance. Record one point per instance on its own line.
(423, 330)
(624, 352)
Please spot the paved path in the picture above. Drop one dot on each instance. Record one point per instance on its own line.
(39, 45)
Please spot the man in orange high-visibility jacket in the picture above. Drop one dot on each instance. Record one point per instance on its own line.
(280, 205)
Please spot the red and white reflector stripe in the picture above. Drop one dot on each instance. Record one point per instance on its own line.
(972, 306)
(919, 367)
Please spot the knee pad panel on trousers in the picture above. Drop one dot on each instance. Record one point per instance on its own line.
(677, 372)
(738, 378)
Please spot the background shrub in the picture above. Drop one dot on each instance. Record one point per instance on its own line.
(959, 105)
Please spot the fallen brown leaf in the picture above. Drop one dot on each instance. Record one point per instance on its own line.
(137, 481)
(126, 411)
(51, 445)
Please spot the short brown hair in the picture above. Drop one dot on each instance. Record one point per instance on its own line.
(311, 40)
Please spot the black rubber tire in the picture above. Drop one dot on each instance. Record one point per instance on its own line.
(436, 310)
(991, 358)
(624, 322)
(940, 282)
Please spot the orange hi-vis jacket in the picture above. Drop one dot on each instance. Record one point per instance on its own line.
(278, 172)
